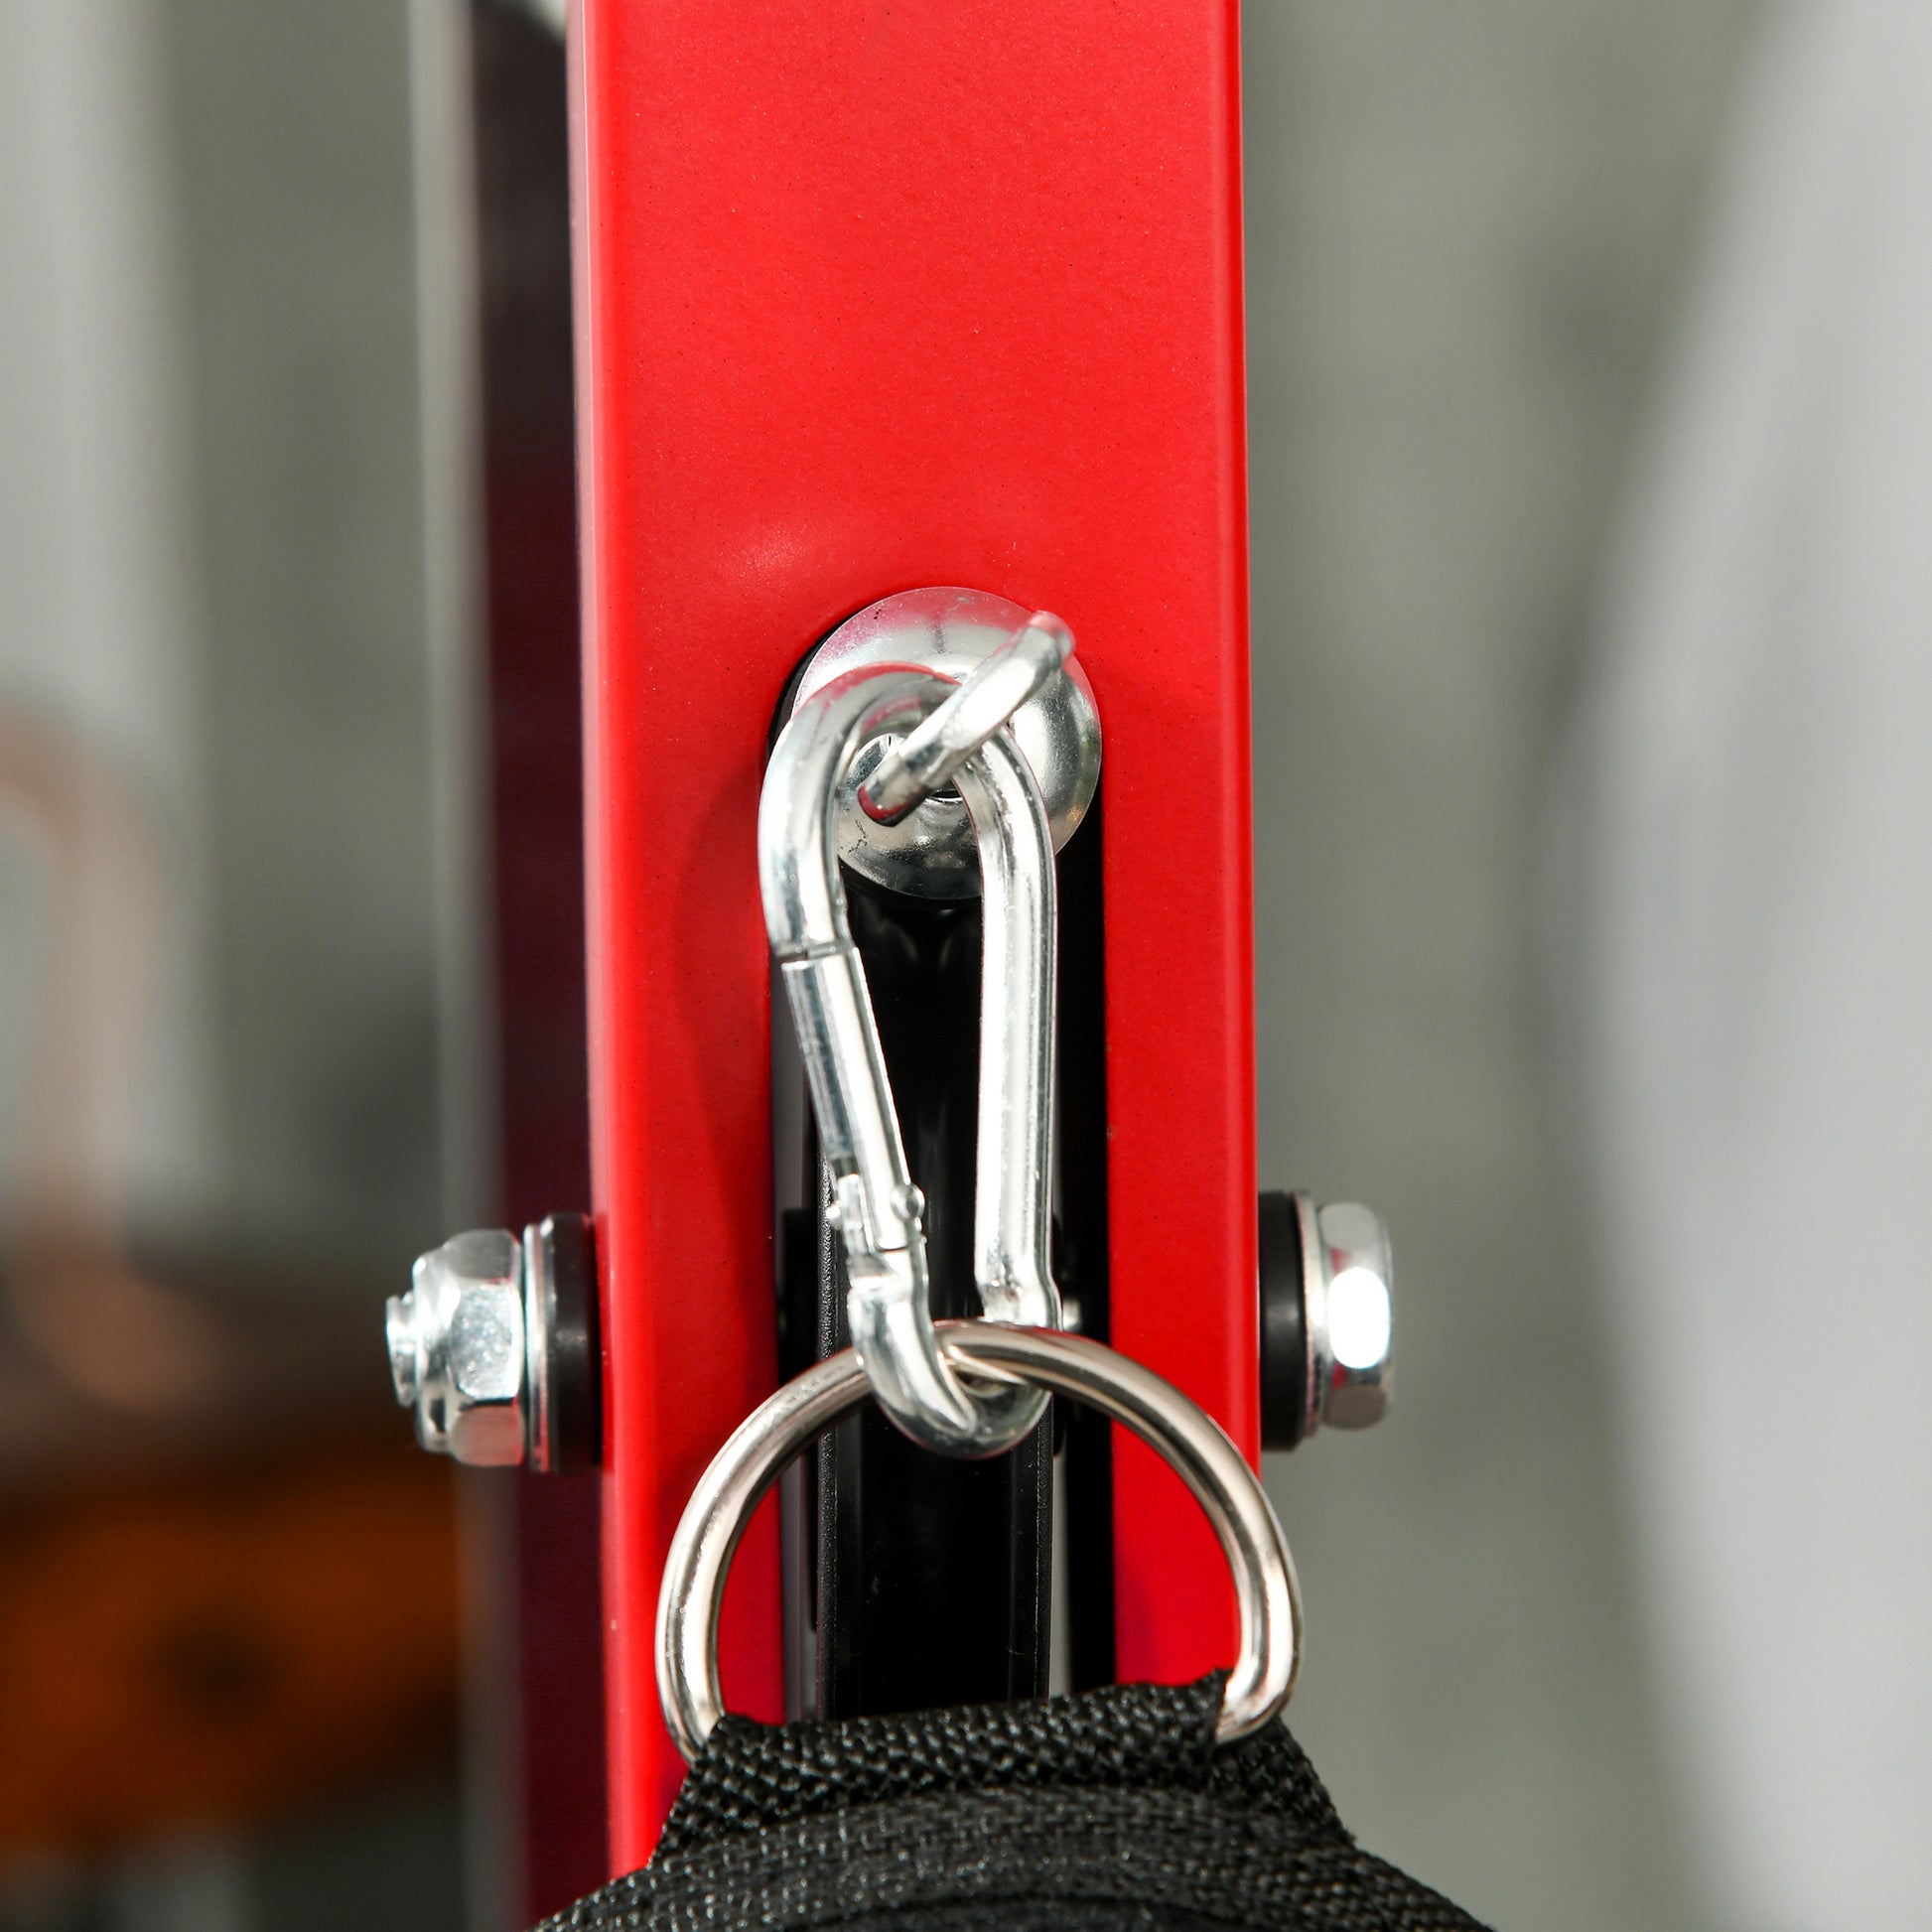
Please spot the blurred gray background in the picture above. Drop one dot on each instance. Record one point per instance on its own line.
(1472, 230)
(211, 573)
(1471, 236)
(217, 954)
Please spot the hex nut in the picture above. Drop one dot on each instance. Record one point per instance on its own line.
(457, 1348)
(1350, 1312)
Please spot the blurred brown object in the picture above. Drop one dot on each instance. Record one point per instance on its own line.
(112, 1353)
(221, 1647)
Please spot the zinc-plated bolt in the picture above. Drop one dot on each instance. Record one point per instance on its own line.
(457, 1348)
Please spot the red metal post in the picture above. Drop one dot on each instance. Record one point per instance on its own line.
(871, 296)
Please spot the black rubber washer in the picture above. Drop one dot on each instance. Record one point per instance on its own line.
(1284, 1325)
(576, 1355)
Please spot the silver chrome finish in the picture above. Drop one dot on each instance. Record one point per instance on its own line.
(539, 1321)
(495, 1348)
(700, 1555)
(1348, 1282)
(457, 1348)
(1013, 675)
(948, 632)
(876, 1207)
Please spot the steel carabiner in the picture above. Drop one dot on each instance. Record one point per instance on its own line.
(877, 1208)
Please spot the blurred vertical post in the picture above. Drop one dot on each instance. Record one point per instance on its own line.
(493, 225)
(447, 323)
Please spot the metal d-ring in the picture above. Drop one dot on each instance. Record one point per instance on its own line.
(1270, 1648)
(876, 1207)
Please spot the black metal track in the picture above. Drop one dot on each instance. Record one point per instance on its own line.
(934, 1574)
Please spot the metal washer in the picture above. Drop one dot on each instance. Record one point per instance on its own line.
(931, 853)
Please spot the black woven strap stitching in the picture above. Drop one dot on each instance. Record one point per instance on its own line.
(751, 1775)
(1171, 1850)
(1118, 1796)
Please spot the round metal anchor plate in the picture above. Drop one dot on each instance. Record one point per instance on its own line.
(931, 852)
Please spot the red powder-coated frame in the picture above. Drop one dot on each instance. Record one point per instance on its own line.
(874, 294)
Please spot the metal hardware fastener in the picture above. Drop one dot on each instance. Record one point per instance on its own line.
(495, 1348)
(1326, 1317)
(924, 764)
(877, 1208)
(930, 851)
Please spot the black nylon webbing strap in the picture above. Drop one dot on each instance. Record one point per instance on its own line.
(1112, 1809)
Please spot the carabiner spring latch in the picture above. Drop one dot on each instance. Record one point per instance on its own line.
(875, 1205)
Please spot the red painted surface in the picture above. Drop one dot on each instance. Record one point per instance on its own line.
(874, 296)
